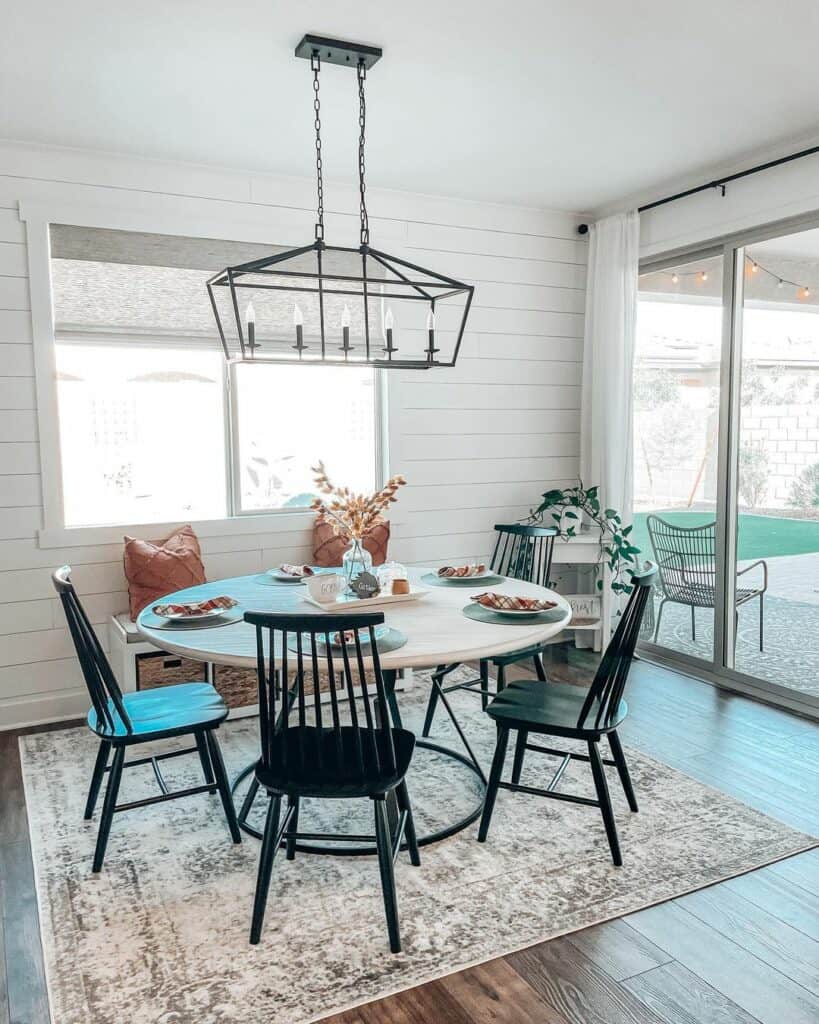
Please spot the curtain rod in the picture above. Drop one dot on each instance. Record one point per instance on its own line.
(719, 183)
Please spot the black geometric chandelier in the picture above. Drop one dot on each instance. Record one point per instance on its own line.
(334, 305)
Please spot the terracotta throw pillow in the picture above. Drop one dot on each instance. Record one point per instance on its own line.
(328, 548)
(156, 568)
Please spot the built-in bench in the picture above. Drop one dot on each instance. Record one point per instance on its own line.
(139, 665)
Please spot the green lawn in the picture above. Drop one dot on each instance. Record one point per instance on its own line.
(759, 536)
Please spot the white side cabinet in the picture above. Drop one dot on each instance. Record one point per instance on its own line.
(583, 551)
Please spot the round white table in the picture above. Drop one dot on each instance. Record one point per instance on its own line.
(437, 631)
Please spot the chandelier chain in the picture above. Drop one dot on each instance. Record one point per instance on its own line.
(315, 64)
(362, 122)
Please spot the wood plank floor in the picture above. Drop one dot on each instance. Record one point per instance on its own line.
(745, 951)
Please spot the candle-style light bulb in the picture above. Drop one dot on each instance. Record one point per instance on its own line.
(389, 322)
(754, 267)
(431, 349)
(703, 276)
(806, 293)
(250, 320)
(675, 278)
(345, 330)
(298, 321)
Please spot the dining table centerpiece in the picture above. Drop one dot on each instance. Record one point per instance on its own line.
(351, 515)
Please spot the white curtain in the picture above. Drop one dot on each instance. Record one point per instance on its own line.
(608, 360)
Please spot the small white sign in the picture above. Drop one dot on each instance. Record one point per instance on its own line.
(584, 606)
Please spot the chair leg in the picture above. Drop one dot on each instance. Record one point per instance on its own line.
(395, 713)
(761, 619)
(250, 796)
(622, 769)
(693, 625)
(520, 753)
(267, 855)
(108, 807)
(384, 843)
(494, 779)
(402, 793)
(501, 680)
(96, 778)
(605, 802)
(292, 801)
(540, 671)
(484, 673)
(431, 704)
(223, 785)
(204, 758)
(659, 618)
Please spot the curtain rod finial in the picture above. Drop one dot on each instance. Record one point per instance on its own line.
(582, 229)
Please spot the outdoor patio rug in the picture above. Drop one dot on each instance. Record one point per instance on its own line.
(791, 655)
(161, 935)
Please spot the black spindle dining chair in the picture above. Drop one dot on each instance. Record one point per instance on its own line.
(686, 558)
(126, 720)
(521, 552)
(310, 750)
(532, 706)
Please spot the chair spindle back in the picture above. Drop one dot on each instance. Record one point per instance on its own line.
(686, 556)
(99, 678)
(290, 665)
(524, 552)
(609, 683)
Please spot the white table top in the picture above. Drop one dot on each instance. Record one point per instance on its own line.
(436, 629)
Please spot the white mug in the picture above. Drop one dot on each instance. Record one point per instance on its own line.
(325, 587)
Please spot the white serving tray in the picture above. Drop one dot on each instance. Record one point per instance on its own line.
(348, 603)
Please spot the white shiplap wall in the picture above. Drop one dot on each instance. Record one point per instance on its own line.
(478, 443)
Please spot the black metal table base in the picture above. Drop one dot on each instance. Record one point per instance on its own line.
(368, 850)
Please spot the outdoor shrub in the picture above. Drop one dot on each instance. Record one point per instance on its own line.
(753, 473)
(805, 489)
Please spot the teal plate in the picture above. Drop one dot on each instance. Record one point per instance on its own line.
(430, 579)
(387, 639)
(154, 621)
(481, 614)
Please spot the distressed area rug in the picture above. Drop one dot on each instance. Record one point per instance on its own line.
(161, 935)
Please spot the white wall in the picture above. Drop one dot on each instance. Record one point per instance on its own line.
(478, 443)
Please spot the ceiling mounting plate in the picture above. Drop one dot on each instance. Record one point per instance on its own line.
(338, 51)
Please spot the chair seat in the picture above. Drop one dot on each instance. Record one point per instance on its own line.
(336, 773)
(538, 706)
(164, 711)
(701, 595)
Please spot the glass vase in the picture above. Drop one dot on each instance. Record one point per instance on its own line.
(356, 559)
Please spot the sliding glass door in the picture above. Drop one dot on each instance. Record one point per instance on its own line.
(676, 428)
(777, 519)
(726, 462)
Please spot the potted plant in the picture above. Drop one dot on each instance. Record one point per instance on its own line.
(568, 507)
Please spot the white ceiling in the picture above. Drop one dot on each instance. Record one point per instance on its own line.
(536, 102)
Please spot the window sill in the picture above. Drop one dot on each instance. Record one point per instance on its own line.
(281, 521)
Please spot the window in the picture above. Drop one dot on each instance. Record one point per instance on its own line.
(282, 415)
(142, 433)
(153, 425)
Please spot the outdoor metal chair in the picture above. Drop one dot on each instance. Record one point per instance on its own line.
(686, 558)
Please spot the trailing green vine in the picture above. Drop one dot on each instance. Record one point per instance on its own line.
(570, 503)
